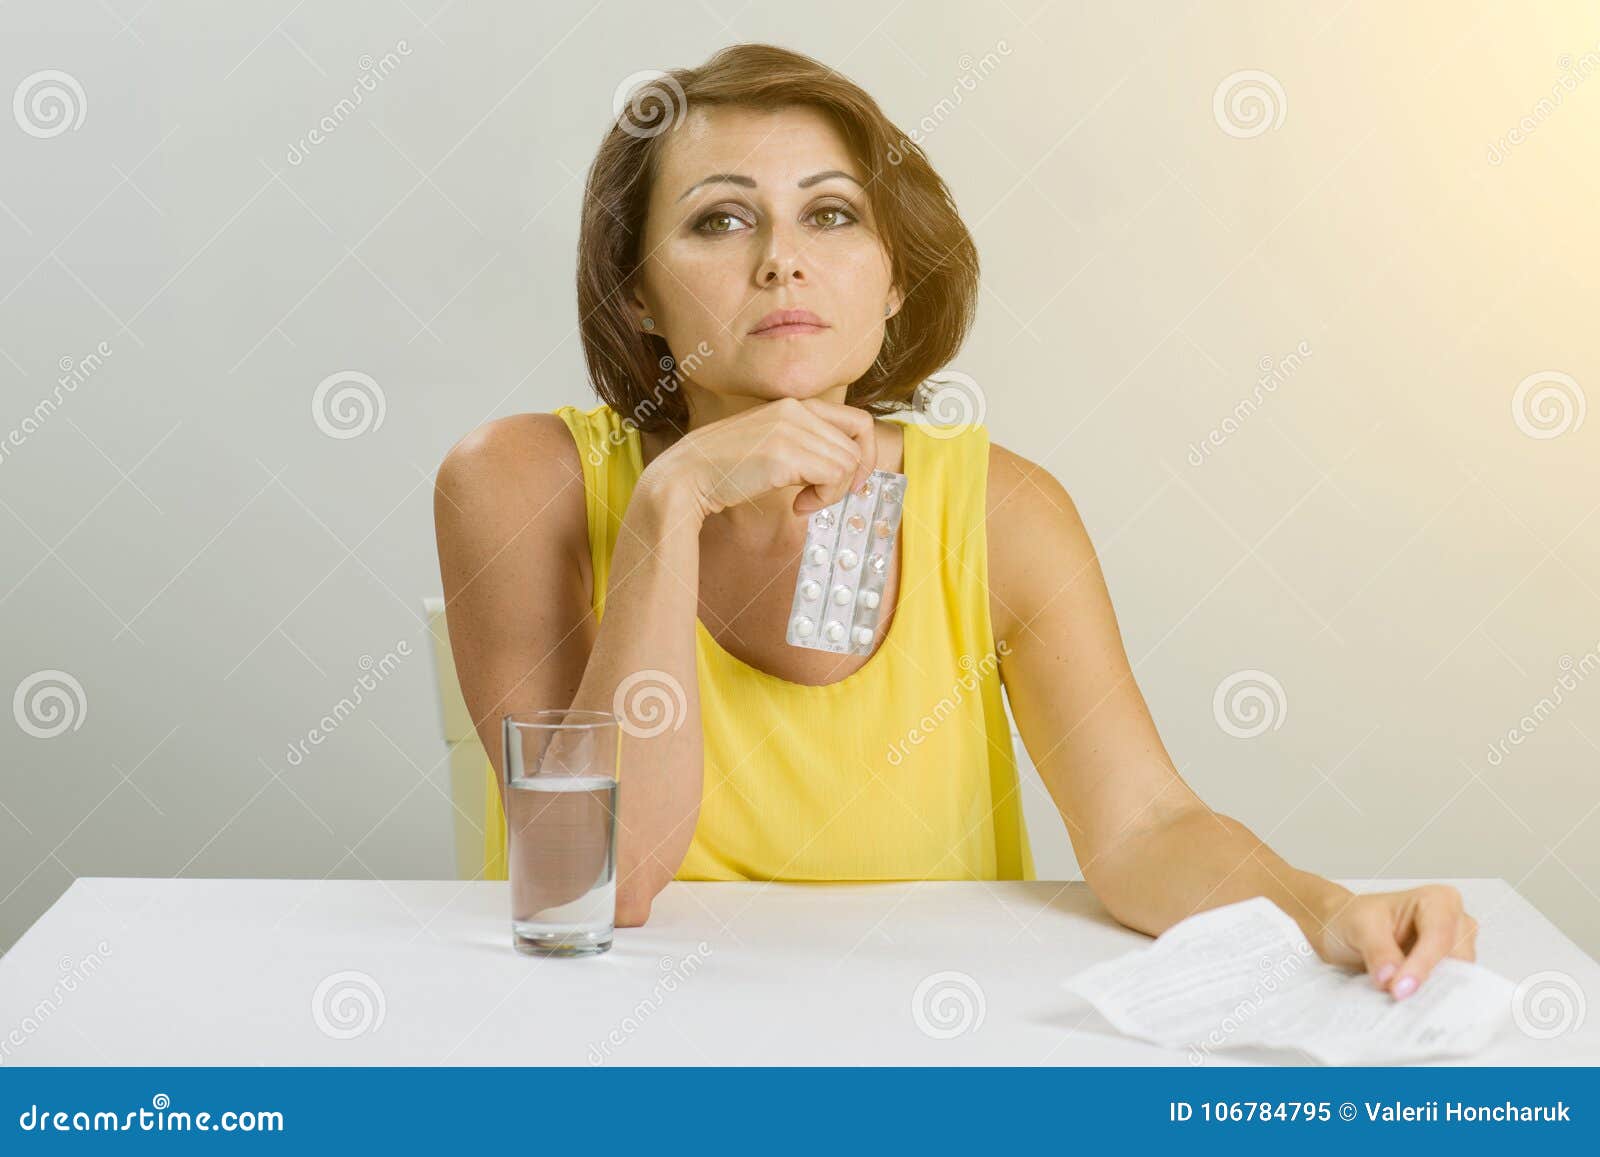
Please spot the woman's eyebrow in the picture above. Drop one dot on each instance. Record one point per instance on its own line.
(749, 182)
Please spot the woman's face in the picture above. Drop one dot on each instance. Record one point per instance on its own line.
(754, 212)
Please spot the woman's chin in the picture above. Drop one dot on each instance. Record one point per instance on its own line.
(770, 388)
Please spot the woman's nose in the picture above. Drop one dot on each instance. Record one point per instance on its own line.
(781, 263)
(784, 256)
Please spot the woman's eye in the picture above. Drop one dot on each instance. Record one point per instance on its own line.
(721, 221)
(705, 225)
(837, 211)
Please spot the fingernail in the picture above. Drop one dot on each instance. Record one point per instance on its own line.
(1384, 974)
(1404, 987)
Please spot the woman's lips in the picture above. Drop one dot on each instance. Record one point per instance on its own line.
(784, 322)
(795, 328)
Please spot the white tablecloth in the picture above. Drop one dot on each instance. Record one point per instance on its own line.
(409, 972)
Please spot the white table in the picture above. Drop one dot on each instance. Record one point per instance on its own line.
(225, 972)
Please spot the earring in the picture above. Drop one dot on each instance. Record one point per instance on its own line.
(888, 310)
(649, 323)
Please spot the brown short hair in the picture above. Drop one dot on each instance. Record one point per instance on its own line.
(933, 258)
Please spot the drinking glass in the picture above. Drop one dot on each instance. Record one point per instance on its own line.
(561, 829)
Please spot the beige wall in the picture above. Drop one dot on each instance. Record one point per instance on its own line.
(1382, 535)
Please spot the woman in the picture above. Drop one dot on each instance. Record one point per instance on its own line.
(765, 268)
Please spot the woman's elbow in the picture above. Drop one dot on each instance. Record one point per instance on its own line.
(636, 891)
(633, 908)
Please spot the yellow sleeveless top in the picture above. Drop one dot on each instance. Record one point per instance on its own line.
(904, 769)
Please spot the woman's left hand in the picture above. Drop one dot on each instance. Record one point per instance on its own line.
(1399, 936)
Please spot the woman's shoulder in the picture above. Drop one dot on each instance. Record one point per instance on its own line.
(518, 446)
(1023, 494)
(1011, 473)
(1035, 534)
(510, 521)
(511, 472)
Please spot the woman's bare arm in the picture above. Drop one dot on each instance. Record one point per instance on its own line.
(642, 667)
(509, 512)
(1152, 851)
(512, 526)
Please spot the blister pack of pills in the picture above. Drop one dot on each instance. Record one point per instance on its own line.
(844, 566)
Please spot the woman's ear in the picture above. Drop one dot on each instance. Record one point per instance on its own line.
(639, 311)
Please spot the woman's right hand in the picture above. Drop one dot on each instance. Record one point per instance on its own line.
(828, 448)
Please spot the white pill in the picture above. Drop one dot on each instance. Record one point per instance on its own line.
(847, 559)
(863, 635)
(834, 630)
(817, 555)
(841, 594)
(803, 626)
(810, 589)
(869, 599)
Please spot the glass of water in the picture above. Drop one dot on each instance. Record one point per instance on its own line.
(561, 830)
